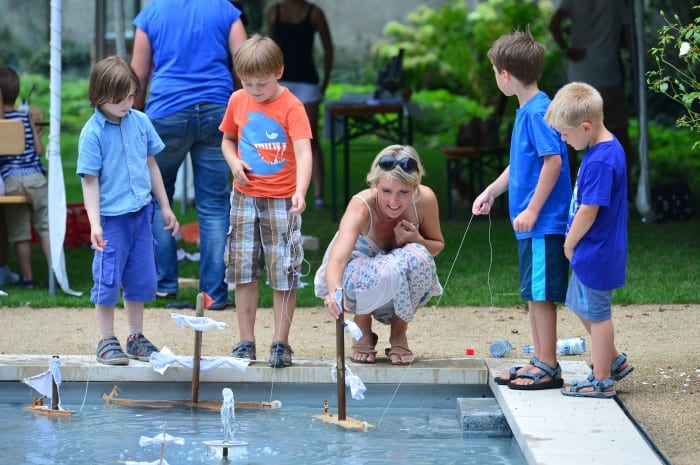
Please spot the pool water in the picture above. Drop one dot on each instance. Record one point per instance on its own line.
(419, 425)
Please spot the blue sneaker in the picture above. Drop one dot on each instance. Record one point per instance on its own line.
(109, 352)
(139, 348)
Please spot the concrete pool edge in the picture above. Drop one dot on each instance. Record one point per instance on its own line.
(548, 427)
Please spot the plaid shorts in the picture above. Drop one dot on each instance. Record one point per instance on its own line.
(263, 232)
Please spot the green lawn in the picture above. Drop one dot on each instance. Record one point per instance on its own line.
(479, 257)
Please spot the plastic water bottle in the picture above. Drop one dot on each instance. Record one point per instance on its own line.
(529, 349)
(500, 348)
(571, 346)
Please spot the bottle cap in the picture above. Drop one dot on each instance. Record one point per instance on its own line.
(469, 351)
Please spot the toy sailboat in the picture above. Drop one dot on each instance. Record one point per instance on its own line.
(47, 384)
(160, 439)
(165, 358)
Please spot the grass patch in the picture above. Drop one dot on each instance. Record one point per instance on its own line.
(482, 265)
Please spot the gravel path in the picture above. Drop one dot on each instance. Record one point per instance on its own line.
(661, 341)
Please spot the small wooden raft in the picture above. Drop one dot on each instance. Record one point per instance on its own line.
(113, 399)
(348, 422)
(39, 407)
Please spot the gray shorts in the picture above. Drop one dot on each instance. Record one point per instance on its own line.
(587, 303)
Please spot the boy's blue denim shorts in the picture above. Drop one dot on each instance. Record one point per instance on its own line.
(587, 303)
(263, 235)
(128, 260)
(544, 269)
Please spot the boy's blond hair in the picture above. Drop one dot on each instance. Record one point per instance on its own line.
(519, 54)
(575, 103)
(259, 56)
(111, 81)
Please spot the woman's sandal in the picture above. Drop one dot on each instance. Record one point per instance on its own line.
(617, 373)
(366, 350)
(399, 355)
(598, 392)
(537, 384)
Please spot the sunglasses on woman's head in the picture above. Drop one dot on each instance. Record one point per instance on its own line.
(389, 162)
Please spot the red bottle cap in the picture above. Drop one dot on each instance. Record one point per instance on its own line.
(469, 351)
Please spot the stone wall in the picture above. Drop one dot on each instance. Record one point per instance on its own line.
(355, 24)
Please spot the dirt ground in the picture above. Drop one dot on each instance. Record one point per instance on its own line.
(661, 341)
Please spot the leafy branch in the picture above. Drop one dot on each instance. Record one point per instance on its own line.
(677, 57)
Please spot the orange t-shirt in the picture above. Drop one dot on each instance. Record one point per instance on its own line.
(265, 134)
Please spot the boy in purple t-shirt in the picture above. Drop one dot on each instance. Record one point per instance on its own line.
(596, 239)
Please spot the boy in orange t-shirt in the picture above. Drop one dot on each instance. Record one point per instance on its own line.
(267, 145)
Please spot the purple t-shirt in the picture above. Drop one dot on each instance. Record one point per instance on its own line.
(600, 258)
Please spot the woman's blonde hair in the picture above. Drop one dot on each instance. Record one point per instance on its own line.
(399, 152)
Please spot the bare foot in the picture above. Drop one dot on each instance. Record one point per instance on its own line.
(363, 351)
(399, 355)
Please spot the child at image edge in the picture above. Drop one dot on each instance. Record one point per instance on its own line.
(596, 240)
(119, 177)
(267, 144)
(539, 186)
(23, 174)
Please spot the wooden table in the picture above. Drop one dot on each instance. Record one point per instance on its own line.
(386, 119)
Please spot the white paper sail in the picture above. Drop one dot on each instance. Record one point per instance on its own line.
(199, 323)
(355, 330)
(42, 382)
(161, 361)
(357, 386)
(160, 438)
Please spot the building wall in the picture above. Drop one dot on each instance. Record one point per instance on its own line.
(355, 24)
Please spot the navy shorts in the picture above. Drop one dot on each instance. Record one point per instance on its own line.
(587, 303)
(128, 260)
(544, 269)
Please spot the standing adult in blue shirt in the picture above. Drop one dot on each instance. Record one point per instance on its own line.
(184, 50)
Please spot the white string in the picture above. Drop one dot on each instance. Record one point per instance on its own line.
(99, 290)
(459, 249)
(449, 274)
(291, 223)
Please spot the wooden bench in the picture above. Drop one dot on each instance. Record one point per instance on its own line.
(12, 142)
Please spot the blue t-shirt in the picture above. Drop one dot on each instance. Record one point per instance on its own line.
(118, 155)
(600, 257)
(533, 139)
(189, 41)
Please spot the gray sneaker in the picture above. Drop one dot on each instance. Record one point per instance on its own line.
(244, 349)
(7, 276)
(280, 355)
(139, 347)
(109, 352)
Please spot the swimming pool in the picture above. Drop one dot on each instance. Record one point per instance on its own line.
(416, 424)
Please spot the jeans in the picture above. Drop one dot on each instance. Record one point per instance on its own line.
(195, 129)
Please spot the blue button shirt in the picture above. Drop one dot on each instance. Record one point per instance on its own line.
(117, 154)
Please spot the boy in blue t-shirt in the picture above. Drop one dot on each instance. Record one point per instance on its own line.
(539, 186)
(596, 239)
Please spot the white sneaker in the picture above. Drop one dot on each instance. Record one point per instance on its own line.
(7, 276)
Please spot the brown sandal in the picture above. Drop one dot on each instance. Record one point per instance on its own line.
(364, 353)
(399, 355)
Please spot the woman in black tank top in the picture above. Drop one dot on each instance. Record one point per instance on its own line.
(292, 24)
